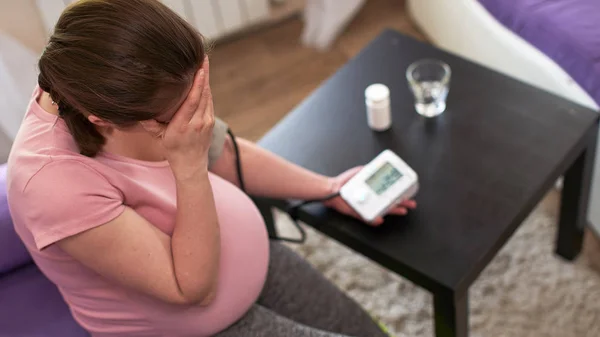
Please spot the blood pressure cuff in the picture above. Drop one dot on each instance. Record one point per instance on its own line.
(218, 141)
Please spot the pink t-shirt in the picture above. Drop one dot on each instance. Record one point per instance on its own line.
(54, 192)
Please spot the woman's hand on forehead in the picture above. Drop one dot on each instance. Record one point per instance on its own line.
(167, 117)
(187, 138)
(200, 89)
(188, 106)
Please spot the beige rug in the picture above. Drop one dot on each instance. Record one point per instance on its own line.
(525, 291)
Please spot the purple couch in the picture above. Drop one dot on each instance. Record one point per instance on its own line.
(567, 31)
(30, 305)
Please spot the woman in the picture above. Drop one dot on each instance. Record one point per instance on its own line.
(122, 185)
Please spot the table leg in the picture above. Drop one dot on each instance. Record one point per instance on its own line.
(451, 311)
(575, 200)
(266, 210)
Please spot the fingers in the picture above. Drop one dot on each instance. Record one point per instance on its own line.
(347, 210)
(410, 204)
(403, 207)
(347, 175)
(190, 105)
(353, 171)
(206, 67)
(204, 112)
(351, 212)
(398, 211)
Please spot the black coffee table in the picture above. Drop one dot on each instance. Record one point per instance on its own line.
(483, 166)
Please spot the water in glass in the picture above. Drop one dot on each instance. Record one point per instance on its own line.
(429, 81)
(430, 98)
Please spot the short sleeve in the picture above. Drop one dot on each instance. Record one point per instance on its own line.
(65, 198)
(218, 141)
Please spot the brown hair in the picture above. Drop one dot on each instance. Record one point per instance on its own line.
(123, 61)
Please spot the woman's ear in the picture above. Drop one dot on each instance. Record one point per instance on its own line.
(99, 122)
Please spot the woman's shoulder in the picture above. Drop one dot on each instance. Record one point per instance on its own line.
(56, 171)
(44, 144)
(59, 197)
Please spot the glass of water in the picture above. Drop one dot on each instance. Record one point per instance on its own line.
(429, 81)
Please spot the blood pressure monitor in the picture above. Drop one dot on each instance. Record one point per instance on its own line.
(381, 185)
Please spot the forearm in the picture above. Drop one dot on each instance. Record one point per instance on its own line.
(195, 243)
(266, 174)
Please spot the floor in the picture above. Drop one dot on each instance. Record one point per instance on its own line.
(259, 78)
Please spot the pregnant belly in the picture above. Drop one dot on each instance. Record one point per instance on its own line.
(243, 268)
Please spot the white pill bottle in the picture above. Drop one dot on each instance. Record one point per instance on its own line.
(379, 113)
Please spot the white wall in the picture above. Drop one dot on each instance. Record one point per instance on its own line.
(22, 37)
(18, 73)
(21, 20)
(213, 18)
